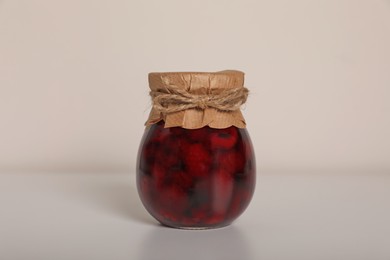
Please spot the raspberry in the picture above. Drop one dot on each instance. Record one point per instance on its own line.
(182, 180)
(231, 161)
(177, 131)
(224, 138)
(145, 186)
(159, 177)
(240, 202)
(222, 191)
(245, 148)
(197, 160)
(173, 199)
(198, 135)
(166, 159)
(159, 134)
(198, 215)
(215, 219)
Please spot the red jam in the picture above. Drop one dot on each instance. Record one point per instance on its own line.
(201, 178)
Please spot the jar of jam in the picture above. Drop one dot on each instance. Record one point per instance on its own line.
(196, 166)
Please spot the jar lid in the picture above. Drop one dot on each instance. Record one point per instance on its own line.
(197, 83)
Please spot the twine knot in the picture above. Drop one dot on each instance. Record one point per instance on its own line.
(202, 102)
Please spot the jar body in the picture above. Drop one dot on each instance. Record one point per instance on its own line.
(200, 178)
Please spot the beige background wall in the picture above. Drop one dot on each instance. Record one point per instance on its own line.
(73, 77)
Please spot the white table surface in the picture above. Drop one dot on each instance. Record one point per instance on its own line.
(311, 215)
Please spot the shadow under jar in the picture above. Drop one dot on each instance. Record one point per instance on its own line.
(195, 178)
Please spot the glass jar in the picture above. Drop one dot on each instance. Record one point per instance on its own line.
(195, 178)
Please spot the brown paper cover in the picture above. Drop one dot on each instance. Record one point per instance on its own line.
(198, 83)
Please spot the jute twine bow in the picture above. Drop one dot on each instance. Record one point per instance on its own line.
(179, 99)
